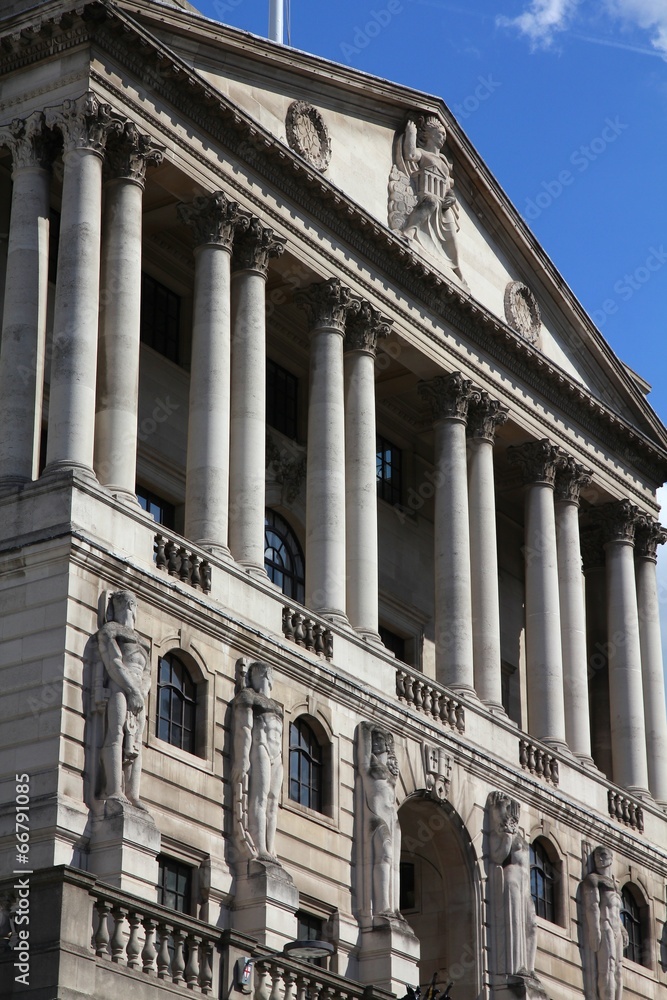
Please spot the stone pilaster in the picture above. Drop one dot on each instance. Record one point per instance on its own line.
(449, 397)
(538, 461)
(571, 477)
(26, 288)
(649, 534)
(326, 305)
(364, 327)
(213, 219)
(120, 310)
(254, 246)
(484, 416)
(618, 521)
(85, 125)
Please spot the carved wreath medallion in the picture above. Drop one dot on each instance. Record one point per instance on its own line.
(522, 311)
(307, 134)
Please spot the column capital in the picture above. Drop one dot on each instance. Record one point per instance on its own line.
(364, 327)
(130, 153)
(537, 461)
(254, 246)
(571, 477)
(29, 140)
(85, 123)
(213, 218)
(484, 415)
(327, 304)
(449, 396)
(649, 534)
(617, 520)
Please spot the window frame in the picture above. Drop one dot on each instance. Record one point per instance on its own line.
(541, 858)
(386, 490)
(182, 867)
(639, 945)
(300, 753)
(204, 679)
(292, 545)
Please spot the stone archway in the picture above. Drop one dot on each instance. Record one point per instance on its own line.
(440, 895)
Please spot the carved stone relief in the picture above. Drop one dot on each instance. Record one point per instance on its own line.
(522, 311)
(604, 936)
(307, 134)
(422, 203)
(438, 772)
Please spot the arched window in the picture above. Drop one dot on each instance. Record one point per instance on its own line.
(542, 881)
(283, 558)
(631, 916)
(305, 766)
(176, 703)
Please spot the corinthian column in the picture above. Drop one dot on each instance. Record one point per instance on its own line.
(120, 311)
(626, 694)
(326, 305)
(363, 329)
(449, 397)
(544, 656)
(253, 249)
(85, 125)
(648, 536)
(24, 314)
(213, 220)
(570, 478)
(485, 414)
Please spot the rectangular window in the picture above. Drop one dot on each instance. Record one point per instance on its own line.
(310, 928)
(162, 511)
(395, 643)
(281, 399)
(388, 465)
(160, 317)
(174, 884)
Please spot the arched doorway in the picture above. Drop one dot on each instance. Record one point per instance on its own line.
(440, 895)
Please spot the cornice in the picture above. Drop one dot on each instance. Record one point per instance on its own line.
(178, 85)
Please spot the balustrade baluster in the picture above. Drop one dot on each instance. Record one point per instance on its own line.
(149, 954)
(426, 707)
(118, 938)
(160, 556)
(288, 627)
(436, 699)
(451, 717)
(299, 633)
(276, 983)
(328, 644)
(133, 950)
(163, 957)
(206, 576)
(309, 638)
(400, 684)
(523, 753)
(186, 566)
(301, 987)
(419, 695)
(290, 985)
(319, 638)
(192, 968)
(539, 762)
(206, 974)
(102, 933)
(171, 552)
(196, 572)
(178, 961)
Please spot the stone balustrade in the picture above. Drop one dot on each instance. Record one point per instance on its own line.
(183, 563)
(625, 810)
(311, 633)
(284, 977)
(430, 698)
(155, 942)
(538, 761)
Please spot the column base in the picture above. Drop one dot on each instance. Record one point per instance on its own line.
(494, 707)
(335, 616)
(587, 761)
(215, 548)
(123, 495)
(8, 484)
(253, 569)
(639, 792)
(370, 636)
(560, 746)
(464, 690)
(55, 469)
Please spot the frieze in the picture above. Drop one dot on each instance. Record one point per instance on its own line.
(362, 233)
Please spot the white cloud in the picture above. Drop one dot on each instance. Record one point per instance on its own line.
(542, 20)
(651, 15)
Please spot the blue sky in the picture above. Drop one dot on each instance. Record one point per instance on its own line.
(575, 91)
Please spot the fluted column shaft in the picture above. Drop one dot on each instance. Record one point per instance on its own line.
(213, 220)
(484, 416)
(326, 304)
(117, 399)
(85, 125)
(570, 478)
(544, 656)
(648, 536)
(252, 250)
(363, 330)
(24, 312)
(449, 397)
(626, 695)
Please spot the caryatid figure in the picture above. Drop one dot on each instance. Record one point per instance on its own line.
(510, 896)
(605, 936)
(125, 657)
(257, 774)
(380, 847)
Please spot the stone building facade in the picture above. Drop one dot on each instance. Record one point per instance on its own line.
(328, 607)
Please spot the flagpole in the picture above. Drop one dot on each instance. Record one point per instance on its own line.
(276, 20)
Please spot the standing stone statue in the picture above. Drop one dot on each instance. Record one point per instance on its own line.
(510, 899)
(378, 832)
(120, 693)
(257, 772)
(605, 937)
(422, 204)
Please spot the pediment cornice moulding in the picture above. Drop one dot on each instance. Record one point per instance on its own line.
(178, 85)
